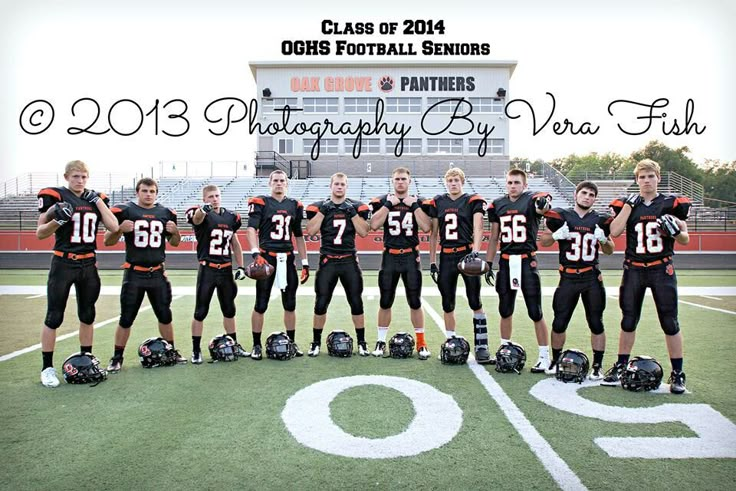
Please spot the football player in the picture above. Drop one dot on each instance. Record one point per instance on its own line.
(401, 217)
(337, 220)
(217, 248)
(579, 232)
(515, 221)
(146, 226)
(653, 223)
(272, 222)
(457, 220)
(72, 214)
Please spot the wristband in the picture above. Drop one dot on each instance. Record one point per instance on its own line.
(388, 205)
(414, 207)
(305, 262)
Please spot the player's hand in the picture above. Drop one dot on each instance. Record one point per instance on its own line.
(63, 212)
(91, 196)
(206, 208)
(600, 235)
(434, 272)
(258, 259)
(127, 226)
(327, 206)
(669, 226)
(543, 203)
(562, 233)
(633, 200)
(305, 274)
(240, 273)
(490, 276)
(348, 208)
(171, 227)
(470, 256)
(410, 200)
(391, 198)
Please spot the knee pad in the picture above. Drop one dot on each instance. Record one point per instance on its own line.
(164, 316)
(448, 305)
(628, 323)
(289, 304)
(475, 304)
(558, 327)
(261, 305)
(54, 319)
(387, 299)
(670, 326)
(87, 314)
(505, 308)
(320, 305)
(596, 326)
(356, 306)
(229, 312)
(535, 312)
(414, 300)
(200, 313)
(126, 321)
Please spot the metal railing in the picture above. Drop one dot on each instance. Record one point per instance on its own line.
(558, 180)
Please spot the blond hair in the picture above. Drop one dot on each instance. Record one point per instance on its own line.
(646, 165)
(401, 170)
(455, 172)
(208, 188)
(338, 175)
(76, 165)
(278, 171)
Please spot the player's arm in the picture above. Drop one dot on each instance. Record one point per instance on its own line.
(545, 239)
(252, 236)
(237, 251)
(618, 225)
(433, 238)
(361, 226)
(683, 238)
(423, 220)
(199, 216)
(108, 218)
(493, 242)
(608, 247)
(45, 227)
(315, 222)
(379, 216)
(174, 236)
(112, 238)
(478, 230)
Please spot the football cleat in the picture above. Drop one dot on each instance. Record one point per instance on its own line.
(180, 360)
(313, 350)
(613, 376)
(541, 365)
(380, 348)
(196, 359)
(596, 374)
(297, 352)
(363, 349)
(257, 352)
(551, 370)
(423, 353)
(49, 378)
(241, 351)
(482, 355)
(115, 365)
(677, 382)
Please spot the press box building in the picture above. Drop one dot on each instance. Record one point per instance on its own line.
(433, 98)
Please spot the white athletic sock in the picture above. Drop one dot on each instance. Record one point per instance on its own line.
(382, 332)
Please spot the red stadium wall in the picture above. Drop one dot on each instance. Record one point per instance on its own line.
(26, 241)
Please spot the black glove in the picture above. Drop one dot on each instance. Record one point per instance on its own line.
(543, 203)
(434, 272)
(63, 212)
(490, 276)
(240, 273)
(327, 206)
(348, 208)
(668, 226)
(91, 196)
(633, 200)
(206, 208)
(470, 257)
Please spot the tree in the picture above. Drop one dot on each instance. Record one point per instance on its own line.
(670, 159)
(593, 164)
(719, 180)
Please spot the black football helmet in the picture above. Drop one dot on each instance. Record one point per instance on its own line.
(156, 352)
(643, 373)
(454, 351)
(83, 368)
(510, 358)
(401, 345)
(280, 347)
(223, 348)
(572, 366)
(339, 343)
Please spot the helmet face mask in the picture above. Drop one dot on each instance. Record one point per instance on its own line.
(454, 351)
(510, 358)
(339, 343)
(401, 345)
(222, 348)
(643, 373)
(156, 352)
(83, 368)
(280, 347)
(572, 366)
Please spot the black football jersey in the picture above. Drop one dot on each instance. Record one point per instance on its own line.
(146, 244)
(518, 220)
(581, 250)
(455, 217)
(644, 241)
(78, 235)
(276, 222)
(215, 234)
(400, 230)
(337, 231)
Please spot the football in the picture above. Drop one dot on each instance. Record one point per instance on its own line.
(473, 266)
(259, 271)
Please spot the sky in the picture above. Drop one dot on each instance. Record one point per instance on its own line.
(587, 54)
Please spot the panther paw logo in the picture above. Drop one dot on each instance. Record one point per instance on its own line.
(386, 83)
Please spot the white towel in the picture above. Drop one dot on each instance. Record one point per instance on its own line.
(281, 280)
(515, 271)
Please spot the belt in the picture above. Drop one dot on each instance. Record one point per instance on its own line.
(575, 270)
(402, 251)
(216, 265)
(343, 256)
(147, 269)
(274, 254)
(73, 256)
(523, 256)
(452, 250)
(647, 265)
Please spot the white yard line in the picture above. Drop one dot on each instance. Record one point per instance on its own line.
(23, 351)
(557, 468)
(712, 298)
(708, 308)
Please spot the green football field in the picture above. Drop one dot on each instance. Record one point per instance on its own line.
(364, 423)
